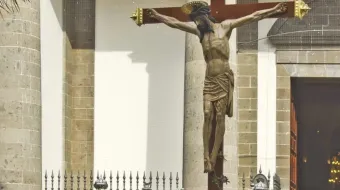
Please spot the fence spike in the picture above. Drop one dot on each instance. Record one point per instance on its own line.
(111, 177)
(163, 180)
(52, 181)
(124, 180)
(59, 180)
(78, 181)
(91, 180)
(71, 180)
(170, 180)
(157, 180)
(117, 180)
(130, 180)
(269, 178)
(84, 177)
(65, 180)
(260, 170)
(150, 178)
(46, 180)
(137, 180)
(243, 182)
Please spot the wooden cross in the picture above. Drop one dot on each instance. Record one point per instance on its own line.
(220, 11)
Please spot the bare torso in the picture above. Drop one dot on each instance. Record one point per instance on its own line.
(216, 50)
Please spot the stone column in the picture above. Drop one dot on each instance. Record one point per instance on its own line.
(20, 98)
(193, 176)
(193, 166)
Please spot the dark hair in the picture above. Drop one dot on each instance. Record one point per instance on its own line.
(203, 12)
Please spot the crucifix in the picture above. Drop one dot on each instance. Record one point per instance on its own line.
(220, 11)
(213, 28)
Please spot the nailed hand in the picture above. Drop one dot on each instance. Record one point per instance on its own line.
(151, 12)
(281, 8)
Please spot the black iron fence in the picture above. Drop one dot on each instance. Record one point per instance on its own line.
(128, 181)
(118, 181)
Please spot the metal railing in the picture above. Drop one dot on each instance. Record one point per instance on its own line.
(124, 181)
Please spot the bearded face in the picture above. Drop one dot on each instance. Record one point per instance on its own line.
(203, 24)
(203, 20)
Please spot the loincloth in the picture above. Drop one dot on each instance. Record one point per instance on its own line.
(219, 90)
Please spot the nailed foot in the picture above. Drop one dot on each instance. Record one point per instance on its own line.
(212, 163)
(207, 166)
(219, 180)
(221, 156)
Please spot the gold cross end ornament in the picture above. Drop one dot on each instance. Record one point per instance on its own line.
(137, 16)
(300, 8)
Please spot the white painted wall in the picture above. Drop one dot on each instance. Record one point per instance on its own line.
(139, 91)
(52, 85)
(266, 109)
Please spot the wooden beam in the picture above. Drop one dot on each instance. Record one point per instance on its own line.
(221, 12)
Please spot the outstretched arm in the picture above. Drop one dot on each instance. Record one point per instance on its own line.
(173, 23)
(256, 16)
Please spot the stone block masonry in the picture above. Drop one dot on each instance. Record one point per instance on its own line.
(247, 33)
(67, 91)
(79, 105)
(82, 110)
(79, 26)
(20, 98)
(246, 83)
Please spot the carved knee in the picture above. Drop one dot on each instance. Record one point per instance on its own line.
(207, 114)
(220, 117)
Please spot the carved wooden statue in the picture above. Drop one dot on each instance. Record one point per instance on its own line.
(219, 78)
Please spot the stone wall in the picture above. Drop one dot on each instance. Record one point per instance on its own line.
(247, 35)
(319, 27)
(82, 110)
(322, 62)
(20, 98)
(79, 17)
(247, 114)
(246, 82)
(67, 91)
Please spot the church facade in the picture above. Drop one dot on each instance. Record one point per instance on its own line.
(49, 73)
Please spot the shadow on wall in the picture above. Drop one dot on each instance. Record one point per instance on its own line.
(162, 49)
(57, 7)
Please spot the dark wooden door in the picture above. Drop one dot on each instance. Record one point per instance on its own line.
(293, 146)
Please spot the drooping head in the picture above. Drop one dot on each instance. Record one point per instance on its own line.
(199, 12)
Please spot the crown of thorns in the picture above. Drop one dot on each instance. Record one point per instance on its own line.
(190, 7)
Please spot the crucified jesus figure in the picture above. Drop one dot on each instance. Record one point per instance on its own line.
(219, 78)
